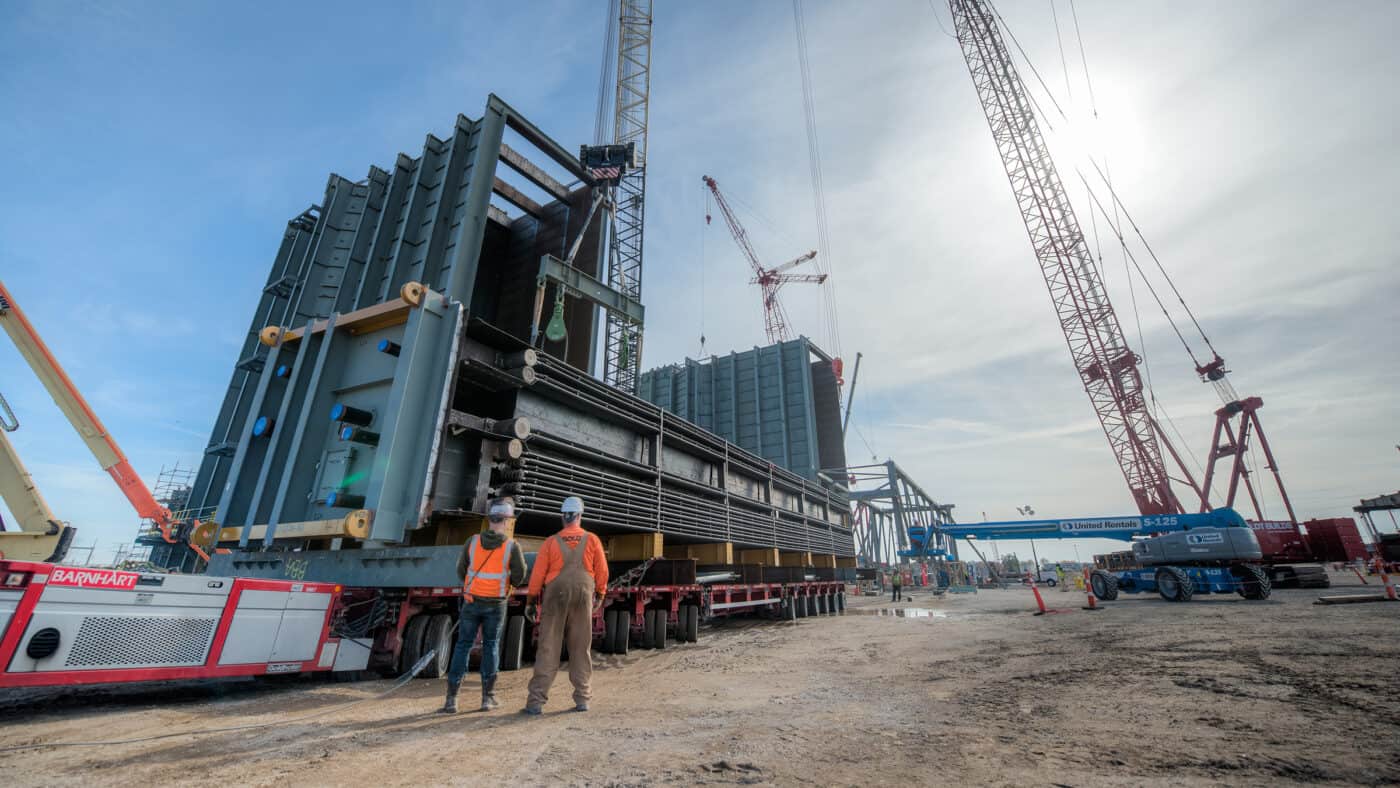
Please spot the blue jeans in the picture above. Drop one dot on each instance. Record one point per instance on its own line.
(489, 616)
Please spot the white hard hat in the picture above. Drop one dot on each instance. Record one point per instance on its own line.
(572, 505)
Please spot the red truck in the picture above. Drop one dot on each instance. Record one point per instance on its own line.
(63, 625)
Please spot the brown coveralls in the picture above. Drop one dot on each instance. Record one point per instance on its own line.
(566, 612)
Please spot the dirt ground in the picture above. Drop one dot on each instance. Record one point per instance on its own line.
(976, 691)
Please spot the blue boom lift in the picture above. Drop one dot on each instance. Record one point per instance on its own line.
(1175, 555)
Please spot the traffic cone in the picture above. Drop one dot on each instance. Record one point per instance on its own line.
(1089, 591)
(1039, 602)
(1385, 581)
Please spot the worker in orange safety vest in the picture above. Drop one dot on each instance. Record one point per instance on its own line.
(490, 564)
(570, 579)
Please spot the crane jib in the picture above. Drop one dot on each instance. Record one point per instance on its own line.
(1108, 367)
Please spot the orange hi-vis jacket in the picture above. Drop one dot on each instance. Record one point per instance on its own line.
(488, 571)
(549, 560)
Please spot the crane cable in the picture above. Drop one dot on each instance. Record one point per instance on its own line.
(703, 228)
(602, 129)
(1118, 203)
(814, 161)
(1159, 410)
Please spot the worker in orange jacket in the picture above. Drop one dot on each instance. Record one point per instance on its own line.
(569, 580)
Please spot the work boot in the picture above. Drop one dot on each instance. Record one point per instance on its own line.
(450, 705)
(488, 695)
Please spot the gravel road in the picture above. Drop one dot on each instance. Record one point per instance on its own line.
(969, 689)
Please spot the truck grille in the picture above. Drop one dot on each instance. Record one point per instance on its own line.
(117, 641)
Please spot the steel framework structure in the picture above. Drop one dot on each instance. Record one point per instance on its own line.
(623, 338)
(882, 517)
(1107, 366)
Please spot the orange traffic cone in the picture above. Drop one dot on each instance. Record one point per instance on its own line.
(1089, 591)
(1039, 602)
(1385, 582)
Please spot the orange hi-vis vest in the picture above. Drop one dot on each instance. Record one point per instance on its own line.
(487, 574)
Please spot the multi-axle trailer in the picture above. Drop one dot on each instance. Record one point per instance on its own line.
(64, 625)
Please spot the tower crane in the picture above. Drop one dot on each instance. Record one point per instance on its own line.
(769, 280)
(1107, 366)
(84, 420)
(622, 338)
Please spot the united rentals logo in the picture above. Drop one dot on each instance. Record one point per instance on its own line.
(1098, 525)
(93, 578)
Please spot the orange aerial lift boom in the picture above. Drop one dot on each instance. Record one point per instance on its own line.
(109, 455)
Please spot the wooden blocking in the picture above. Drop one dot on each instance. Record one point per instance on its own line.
(824, 560)
(709, 553)
(767, 556)
(846, 563)
(794, 559)
(634, 547)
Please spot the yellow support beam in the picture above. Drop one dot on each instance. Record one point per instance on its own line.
(846, 563)
(634, 547)
(795, 559)
(708, 553)
(825, 560)
(352, 526)
(767, 556)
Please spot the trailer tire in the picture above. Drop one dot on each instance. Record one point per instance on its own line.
(648, 629)
(820, 601)
(438, 636)
(513, 643)
(1173, 584)
(1254, 581)
(656, 627)
(810, 602)
(609, 631)
(1104, 585)
(623, 633)
(841, 602)
(412, 642)
(790, 609)
(692, 623)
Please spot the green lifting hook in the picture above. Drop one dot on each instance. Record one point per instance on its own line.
(556, 331)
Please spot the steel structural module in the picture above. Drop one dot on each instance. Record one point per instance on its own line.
(387, 387)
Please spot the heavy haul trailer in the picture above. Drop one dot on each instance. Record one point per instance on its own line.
(64, 626)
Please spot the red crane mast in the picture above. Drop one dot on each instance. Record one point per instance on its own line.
(770, 280)
(1107, 367)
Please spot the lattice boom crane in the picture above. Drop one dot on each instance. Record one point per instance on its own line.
(1107, 367)
(770, 280)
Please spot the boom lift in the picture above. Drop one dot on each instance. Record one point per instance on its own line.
(1209, 552)
(41, 535)
(81, 415)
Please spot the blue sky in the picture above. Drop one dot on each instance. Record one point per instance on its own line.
(154, 152)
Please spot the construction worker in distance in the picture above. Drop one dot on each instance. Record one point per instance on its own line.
(569, 580)
(896, 583)
(1060, 577)
(490, 564)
